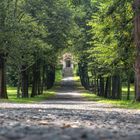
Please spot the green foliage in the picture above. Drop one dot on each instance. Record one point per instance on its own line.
(110, 26)
(104, 44)
(58, 75)
(34, 33)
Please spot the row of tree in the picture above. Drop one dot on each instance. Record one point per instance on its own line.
(106, 46)
(102, 34)
(32, 33)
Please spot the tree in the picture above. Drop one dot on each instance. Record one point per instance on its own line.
(104, 57)
(137, 40)
(37, 30)
(6, 24)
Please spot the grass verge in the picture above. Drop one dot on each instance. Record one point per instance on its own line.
(58, 76)
(127, 104)
(12, 97)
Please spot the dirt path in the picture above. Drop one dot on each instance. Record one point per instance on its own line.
(68, 91)
(68, 117)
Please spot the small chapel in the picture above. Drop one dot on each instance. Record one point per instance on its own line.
(68, 65)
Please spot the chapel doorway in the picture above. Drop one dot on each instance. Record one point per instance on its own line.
(68, 63)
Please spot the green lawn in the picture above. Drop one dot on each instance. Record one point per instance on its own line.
(12, 96)
(12, 93)
(131, 104)
(58, 76)
(115, 103)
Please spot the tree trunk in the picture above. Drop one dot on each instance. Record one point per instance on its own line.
(119, 83)
(39, 82)
(98, 87)
(83, 72)
(128, 87)
(108, 87)
(18, 86)
(95, 86)
(24, 85)
(3, 91)
(101, 86)
(137, 42)
(137, 79)
(116, 87)
(43, 80)
(50, 76)
(34, 81)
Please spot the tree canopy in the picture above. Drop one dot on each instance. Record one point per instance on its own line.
(98, 32)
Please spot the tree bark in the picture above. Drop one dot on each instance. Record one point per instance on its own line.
(137, 42)
(24, 85)
(98, 87)
(83, 72)
(50, 76)
(39, 82)
(3, 90)
(128, 87)
(116, 87)
(43, 80)
(108, 87)
(101, 86)
(34, 81)
(19, 86)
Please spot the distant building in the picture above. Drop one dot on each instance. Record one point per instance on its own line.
(67, 61)
(68, 65)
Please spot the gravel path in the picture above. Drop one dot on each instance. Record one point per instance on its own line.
(68, 117)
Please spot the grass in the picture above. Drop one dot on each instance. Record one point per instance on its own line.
(124, 92)
(58, 76)
(12, 97)
(76, 78)
(12, 93)
(115, 103)
(127, 104)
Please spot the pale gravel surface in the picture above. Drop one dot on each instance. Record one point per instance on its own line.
(68, 117)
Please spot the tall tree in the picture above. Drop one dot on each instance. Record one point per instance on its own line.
(137, 42)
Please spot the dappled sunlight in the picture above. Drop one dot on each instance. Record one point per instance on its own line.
(67, 79)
